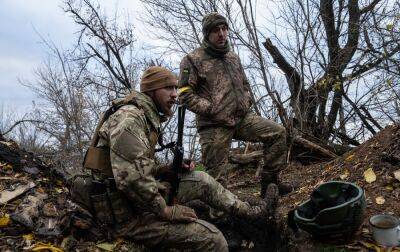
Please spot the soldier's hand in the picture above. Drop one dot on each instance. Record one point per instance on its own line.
(188, 165)
(178, 213)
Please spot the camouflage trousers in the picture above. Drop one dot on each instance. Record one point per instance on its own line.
(153, 232)
(216, 141)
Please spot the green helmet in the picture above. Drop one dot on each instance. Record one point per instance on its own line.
(336, 208)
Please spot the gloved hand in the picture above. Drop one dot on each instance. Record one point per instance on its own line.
(178, 213)
(188, 165)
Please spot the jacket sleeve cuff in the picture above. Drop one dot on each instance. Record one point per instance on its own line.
(158, 204)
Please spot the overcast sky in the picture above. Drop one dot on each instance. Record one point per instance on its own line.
(21, 50)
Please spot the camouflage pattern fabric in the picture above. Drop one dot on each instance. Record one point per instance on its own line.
(216, 141)
(199, 235)
(210, 21)
(158, 235)
(219, 93)
(131, 134)
(219, 96)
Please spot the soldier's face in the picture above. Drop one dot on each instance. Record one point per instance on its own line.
(218, 35)
(165, 99)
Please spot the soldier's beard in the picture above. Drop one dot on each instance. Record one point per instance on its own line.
(164, 109)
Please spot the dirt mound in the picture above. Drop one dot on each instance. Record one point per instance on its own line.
(33, 199)
(378, 157)
(36, 213)
(36, 210)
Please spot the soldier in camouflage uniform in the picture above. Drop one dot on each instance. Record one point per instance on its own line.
(139, 210)
(216, 89)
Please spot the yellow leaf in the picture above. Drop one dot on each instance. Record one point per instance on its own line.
(380, 200)
(59, 190)
(369, 175)
(371, 246)
(337, 85)
(106, 246)
(389, 26)
(46, 247)
(59, 182)
(28, 237)
(389, 188)
(350, 158)
(397, 175)
(345, 174)
(4, 220)
(5, 166)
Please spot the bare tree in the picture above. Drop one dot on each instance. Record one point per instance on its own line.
(329, 53)
(76, 85)
(330, 60)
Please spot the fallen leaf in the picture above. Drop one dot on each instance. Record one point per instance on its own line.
(380, 200)
(369, 175)
(6, 166)
(397, 175)
(345, 174)
(365, 231)
(371, 246)
(59, 190)
(350, 158)
(45, 247)
(389, 188)
(8, 195)
(4, 220)
(28, 237)
(106, 246)
(40, 190)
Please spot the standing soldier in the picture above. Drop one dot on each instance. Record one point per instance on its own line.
(125, 196)
(214, 87)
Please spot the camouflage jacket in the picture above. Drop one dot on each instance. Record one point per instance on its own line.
(219, 93)
(131, 134)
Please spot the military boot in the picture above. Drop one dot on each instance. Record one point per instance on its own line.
(262, 211)
(271, 176)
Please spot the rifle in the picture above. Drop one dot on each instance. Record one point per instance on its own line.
(178, 157)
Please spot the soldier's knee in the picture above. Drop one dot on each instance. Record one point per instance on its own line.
(211, 238)
(219, 242)
(200, 176)
(206, 179)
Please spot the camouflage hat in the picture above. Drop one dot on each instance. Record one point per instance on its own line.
(211, 20)
(156, 77)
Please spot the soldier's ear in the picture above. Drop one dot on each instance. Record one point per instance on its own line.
(150, 93)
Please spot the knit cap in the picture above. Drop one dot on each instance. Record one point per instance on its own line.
(156, 77)
(210, 21)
